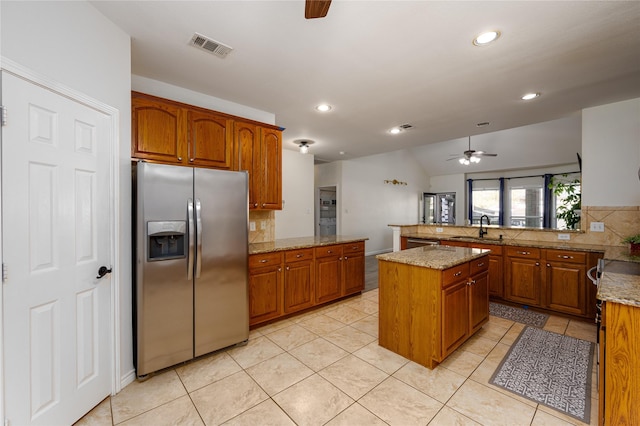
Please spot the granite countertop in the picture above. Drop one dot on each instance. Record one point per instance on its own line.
(301, 242)
(434, 257)
(561, 245)
(620, 286)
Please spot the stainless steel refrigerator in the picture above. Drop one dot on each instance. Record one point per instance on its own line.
(191, 263)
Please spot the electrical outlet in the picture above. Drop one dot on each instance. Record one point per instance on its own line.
(566, 237)
(438, 229)
(252, 226)
(597, 226)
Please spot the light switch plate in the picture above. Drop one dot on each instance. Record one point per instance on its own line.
(597, 226)
(566, 237)
(438, 229)
(252, 226)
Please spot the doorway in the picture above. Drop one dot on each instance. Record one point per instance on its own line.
(326, 209)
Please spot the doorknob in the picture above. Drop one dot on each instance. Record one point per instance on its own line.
(103, 271)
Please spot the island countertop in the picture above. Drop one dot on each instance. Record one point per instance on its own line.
(619, 286)
(301, 242)
(434, 257)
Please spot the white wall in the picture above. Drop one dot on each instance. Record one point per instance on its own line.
(611, 154)
(180, 94)
(367, 205)
(75, 45)
(296, 217)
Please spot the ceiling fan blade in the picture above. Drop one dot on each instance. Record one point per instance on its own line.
(316, 8)
(484, 154)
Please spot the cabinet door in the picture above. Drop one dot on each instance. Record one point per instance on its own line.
(523, 281)
(271, 174)
(496, 285)
(478, 301)
(455, 317)
(353, 273)
(158, 131)
(298, 286)
(247, 145)
(210, 140)
(566, 287)
(328, 278)
(265, 298)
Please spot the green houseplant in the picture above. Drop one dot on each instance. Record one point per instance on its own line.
(634, 244)
(569, 210)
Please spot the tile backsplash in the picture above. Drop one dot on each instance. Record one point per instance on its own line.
(265, 223)
(619, 222)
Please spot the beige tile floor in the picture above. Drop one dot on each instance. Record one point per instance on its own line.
(326, 367)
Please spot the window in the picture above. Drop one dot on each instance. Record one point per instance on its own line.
(527, 201)
(485, 200)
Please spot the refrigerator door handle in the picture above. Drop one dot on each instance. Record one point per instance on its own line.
(191, 240)
(198, 238)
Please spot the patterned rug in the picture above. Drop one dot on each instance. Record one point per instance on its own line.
(551, 369)
(523, 316)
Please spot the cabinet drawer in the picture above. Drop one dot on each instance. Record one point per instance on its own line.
(528, 252)
(495, 249)
(298, 255)
(327, 251)
(265, 259)
(455, 274)
(479, 265)
(352, 248)
(566, 256)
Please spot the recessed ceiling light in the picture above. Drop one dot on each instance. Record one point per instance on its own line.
(530, 96)
(323, 107)
(395, 130)
(486, 38)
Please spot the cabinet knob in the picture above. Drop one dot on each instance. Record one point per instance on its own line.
(263, 260)
(548, 265)
(255, 204)
(179, 158)
(537, 263)
(298, 255)
(288, 268)
(480, 265)
(191, 160)
(279, 269)
(329, 251)
(345, 258)
(565, 257)
(340, 259)
(457, 274)
(524, 252)
(262, 204)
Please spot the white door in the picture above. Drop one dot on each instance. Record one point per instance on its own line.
(55, 220)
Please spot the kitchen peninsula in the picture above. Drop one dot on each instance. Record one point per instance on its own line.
(432, 299)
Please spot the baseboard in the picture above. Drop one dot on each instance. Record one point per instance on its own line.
(373, 253)
(128, 378)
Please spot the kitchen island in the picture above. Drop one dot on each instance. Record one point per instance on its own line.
(432, 299)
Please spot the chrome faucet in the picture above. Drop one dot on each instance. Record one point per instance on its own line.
(482, 231)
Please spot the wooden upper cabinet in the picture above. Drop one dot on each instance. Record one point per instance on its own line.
(271, 156)
(159, 131)
(260, 153)
(210, 142)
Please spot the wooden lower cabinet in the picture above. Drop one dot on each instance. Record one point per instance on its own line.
(265, 287)
(425, 314)
(565, 282)
(523, 277)
(289, 281)
(619, 380)
(298, 280)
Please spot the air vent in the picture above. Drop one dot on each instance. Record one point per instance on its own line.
(221, 50)
(405, 126)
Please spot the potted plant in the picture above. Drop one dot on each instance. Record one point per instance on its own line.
(634, 244)
(569, 210)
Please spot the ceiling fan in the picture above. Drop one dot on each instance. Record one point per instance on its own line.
(471, 156)
(316, 8)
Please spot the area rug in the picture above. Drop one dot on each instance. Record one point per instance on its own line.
(551, 369)
(523, 316)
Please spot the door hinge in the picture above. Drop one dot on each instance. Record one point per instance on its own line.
(3, 119)
(5, 275)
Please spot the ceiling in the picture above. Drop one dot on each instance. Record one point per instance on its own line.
(382, 64)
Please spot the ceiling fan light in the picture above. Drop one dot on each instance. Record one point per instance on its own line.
(475, 159)
(304, 148)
